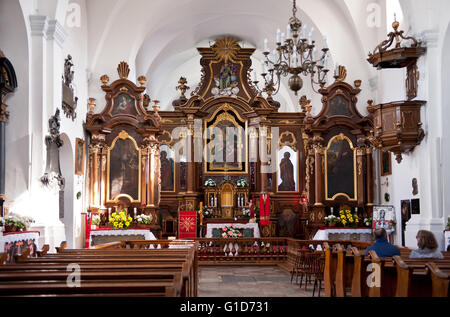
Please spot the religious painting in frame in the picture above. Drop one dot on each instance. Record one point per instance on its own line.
(385, 163)
(415, 206)
(406, 210)
(226, 142)
(167, 165)
(79, 156)
(124, 104)
(124, 166)
(287, 169)
(384, 217)
(340, 168)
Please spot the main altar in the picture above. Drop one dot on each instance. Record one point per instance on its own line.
(227, 146)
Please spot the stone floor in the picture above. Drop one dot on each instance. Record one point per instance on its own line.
(249, 281)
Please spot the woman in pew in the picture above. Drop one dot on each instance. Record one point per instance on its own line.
(427, 246)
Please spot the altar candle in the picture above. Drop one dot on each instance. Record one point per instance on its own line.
(135, 211)
(356, 209)
(109, 213)
(201, 213)
(331, 210)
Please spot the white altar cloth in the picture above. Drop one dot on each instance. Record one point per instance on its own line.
(253, 225)
(148, 235)
(322, 234)
(6, 237)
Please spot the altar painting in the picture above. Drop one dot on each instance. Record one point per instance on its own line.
(123, 169)
(340, 165)
(124, 104)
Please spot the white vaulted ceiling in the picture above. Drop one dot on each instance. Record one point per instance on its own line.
(158, 38)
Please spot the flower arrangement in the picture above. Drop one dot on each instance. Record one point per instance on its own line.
(96, 220)
(368, 222)
(144, 219)
(210, 183)
(207, 212)
(120, 220)
(245, 212)
(242, 183)
(348, 219)
(14, 222)
(230, 232)
(331, 219)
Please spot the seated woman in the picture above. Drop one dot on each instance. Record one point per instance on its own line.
(427, 246)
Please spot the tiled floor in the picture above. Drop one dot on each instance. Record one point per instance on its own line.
(249, 281)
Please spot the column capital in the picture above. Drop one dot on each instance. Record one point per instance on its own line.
(55, 31)
(38, 25)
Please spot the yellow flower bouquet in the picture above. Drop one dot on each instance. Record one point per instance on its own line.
(120, 220)
(348, 219)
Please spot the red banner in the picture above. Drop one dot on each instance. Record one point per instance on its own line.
(264, 210)
(187, 225)
(88, 230)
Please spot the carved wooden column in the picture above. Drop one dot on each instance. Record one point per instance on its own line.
(97, 167)
(190, 171)
(309, 173)
(369, 177)
(319, 172)
(360, 155)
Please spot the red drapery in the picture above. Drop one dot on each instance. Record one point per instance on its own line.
(187, 225)
(88, 231)
(264, 209)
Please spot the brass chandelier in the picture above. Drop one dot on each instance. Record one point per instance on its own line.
(295, 55)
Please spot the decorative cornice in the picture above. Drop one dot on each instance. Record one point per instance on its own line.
(55, 31)
(38, 25)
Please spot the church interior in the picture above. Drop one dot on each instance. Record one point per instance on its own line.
(199, 143)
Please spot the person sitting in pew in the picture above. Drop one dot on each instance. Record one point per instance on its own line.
(381, 246)
(427, 246)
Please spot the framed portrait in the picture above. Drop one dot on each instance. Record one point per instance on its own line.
(287, 170)
(124, 104)
(385, 161)
(415, 206)
(124, 166)
(383, 217)
(406, 210)
(79, 156)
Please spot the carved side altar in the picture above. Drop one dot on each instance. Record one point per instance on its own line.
(124, 153)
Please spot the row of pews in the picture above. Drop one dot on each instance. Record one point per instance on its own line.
(348, 272)
(160, 269)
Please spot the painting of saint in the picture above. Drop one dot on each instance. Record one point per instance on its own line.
(340, 169)
(227, 152)
(287, 169)
(386, 168)
(167, 169)
(124, 169)
(124, 104)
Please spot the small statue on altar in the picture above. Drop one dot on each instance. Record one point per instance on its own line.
(251, 207)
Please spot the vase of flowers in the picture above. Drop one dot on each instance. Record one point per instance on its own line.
(246, 213)
(230, 232)
(143, 221)
(95, 221)
(242, 183)
(210, 183)
(348, 219)
(368, 222)
(331, 220)
(15, 223)
(120, 220)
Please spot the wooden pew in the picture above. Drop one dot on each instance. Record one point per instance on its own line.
(154, 272)
(440, 278)
(413, 277)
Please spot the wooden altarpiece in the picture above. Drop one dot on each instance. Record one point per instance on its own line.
(225, 97)
(124, 151)
(339, 163)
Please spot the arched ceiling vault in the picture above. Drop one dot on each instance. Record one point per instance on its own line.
(158, 37)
